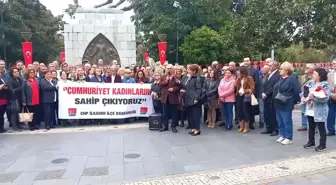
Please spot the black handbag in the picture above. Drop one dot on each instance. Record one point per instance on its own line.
(281, 98)
(247, 98)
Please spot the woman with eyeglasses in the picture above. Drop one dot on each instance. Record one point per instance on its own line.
(31, 97)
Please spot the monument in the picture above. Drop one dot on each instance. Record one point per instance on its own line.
(99, 33)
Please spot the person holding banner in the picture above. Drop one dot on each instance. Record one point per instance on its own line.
(169, 98)
(128, 79)
(98, 78)
(49, 100)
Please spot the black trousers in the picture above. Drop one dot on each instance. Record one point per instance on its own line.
(36, 110)
(172, 109)
(311, 131)
(14, 118)
(49, 113)
(270, 116)
(194, 114)
(205, 114)
(2, 119)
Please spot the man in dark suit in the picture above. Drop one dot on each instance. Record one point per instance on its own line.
(268, 96)
(169, 98)
(115, 78)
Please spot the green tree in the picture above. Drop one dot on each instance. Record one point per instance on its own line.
(298, 53)
(202, 46)
(72, 8)
(22, 15)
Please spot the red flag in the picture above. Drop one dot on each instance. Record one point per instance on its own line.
(146, 58)
(27, 51)
(162, 51)
(62, 57)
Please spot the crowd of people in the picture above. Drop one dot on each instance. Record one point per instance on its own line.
(183, 94)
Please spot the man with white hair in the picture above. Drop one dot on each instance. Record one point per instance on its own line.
(309, 71)
(268, 96)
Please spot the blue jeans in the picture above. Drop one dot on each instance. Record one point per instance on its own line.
(261, 111)
(228, 112)
(285, 121)
(331, 117)
(304, 119)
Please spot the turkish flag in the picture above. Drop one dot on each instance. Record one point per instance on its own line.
(162, 51)
(146, 58)
(62, 57)
(27, 51)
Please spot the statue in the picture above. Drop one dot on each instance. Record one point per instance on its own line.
(101, 48)
(133, 4)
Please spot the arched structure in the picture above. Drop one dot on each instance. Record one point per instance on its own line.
(101, 48)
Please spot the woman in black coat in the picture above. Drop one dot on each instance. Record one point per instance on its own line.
(191, 90)
(15, 98)
(156, 92)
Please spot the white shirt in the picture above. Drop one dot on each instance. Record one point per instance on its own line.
(54, 91)
(112, 78)
(241, 90)
(271, 74)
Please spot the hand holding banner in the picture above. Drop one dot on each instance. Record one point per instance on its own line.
(27, 51)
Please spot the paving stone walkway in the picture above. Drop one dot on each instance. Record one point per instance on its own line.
(132, 154)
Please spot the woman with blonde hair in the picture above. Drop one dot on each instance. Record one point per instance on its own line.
(286, 93)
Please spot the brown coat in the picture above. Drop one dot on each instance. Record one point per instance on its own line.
(248, 85)
(173, 96)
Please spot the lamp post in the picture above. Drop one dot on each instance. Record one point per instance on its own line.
(3, 27)
(178, 6)
(27, 47)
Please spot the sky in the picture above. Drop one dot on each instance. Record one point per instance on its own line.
(58, 6)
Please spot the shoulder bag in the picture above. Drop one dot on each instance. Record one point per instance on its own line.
(25, 117)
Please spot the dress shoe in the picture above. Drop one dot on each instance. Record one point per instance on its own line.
(163, 129)
(261, 125)
(302, 129)
(191, 132)
(274, 133)
(227, 128)
(196, 133)
(266, 132)
(331, 134)
(3, 131)
(251, 127)
(174, 129)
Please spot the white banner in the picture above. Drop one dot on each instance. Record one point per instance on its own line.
(104, 101)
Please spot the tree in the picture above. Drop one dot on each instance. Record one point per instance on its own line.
(22, 15)
(202, 46)
(298, 53)
(72, 8)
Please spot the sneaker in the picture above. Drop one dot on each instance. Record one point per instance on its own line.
(287, 142)
(280, 139)
(320, 148)
(308, 145)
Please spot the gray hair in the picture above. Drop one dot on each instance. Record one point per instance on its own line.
(274, 63)
(311, 66)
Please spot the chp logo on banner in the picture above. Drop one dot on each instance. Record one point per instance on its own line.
(62, 57)
(162, 51)
(104, 101)
(27, 51)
